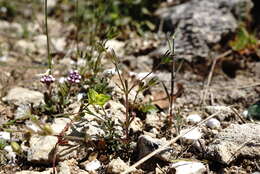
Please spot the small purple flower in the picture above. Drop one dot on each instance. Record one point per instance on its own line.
(74, 77)
(47, 79)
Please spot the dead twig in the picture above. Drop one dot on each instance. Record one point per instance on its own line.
(205, 93)
(237, 114)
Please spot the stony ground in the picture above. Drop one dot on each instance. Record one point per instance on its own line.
(226, 143)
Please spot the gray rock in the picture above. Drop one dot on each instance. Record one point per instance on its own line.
(200, 23)
(236, 141)
(23, 96)
(41, 148)
(188, 167)
(147, 144)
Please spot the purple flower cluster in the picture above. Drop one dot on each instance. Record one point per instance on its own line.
(74, 77)
(47, 79)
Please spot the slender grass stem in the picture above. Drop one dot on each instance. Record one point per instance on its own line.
(77, 28)
(47, 35)
(172, 82)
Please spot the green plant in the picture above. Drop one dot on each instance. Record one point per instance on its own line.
(126, 89)
(2, 144)
(243, 41)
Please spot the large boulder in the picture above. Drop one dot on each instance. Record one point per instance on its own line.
(201, 23)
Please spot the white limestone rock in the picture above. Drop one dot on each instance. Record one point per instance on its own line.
(117, 166)
(191, 136)
(59, 124)
(20, 96)
(41, 148)
(92, 166)
(188, 167)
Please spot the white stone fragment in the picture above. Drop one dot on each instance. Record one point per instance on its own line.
(5, 135)
(11, 155)
(40, 148)
(80, 96)
(117, 166)
(19, 96)
(193, 118)
(188, 167)
(3, 58)
(111, 71)
(59, 124)
(213, 123)
(32, 126)
(117, 46)
(93, 165)
(245, 114)
(62, 80)
(191, 136)
(22, 111)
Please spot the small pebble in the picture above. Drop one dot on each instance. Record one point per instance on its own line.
(245, 114)
(213, 123)
(193, 118)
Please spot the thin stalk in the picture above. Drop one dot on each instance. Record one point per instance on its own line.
(47, 35)
(77, 28)
(172, 82)
(127, 116)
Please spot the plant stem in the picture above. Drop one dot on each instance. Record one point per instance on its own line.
(47, 35)
(77, 28)
(172, 82)
(127, 116)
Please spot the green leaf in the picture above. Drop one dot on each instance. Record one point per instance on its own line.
(97, 99)
(148, 108)
(102, 99)
(2, 144)
(243, 40)
(166, 58)
(153, 81)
